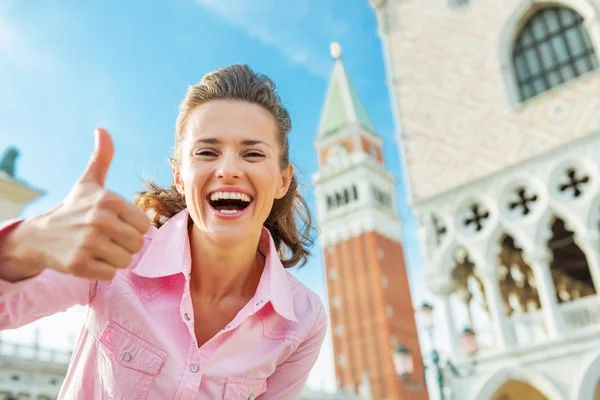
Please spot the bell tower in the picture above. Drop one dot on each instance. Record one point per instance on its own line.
(369, 297)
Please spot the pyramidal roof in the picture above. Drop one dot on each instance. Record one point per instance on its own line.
(342, 106)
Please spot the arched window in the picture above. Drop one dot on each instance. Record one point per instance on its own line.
(553, 47)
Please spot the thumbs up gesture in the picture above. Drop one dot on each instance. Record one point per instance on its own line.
(94, 231)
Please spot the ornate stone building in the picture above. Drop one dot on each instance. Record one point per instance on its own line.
(30, 372)
(27, 371)
(369, 298)
(499, 123)
(14, 193)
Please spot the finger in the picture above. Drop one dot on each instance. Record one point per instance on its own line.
(135, 216)
(100, 159)
(111, 253)
(97, 270)
(110, 219)
(125, 235)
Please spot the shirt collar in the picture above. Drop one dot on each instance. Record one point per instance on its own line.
(169, 254)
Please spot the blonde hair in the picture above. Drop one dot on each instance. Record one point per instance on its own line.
(239, 82)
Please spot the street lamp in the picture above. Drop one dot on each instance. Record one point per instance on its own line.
(404, 364)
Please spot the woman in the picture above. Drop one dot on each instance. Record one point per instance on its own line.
(197, 306)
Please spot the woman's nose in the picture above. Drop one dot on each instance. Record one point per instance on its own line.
(229, 167)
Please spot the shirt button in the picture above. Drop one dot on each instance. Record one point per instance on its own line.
(194, 367)
(126, 356)
(251, 397)
(186, 316)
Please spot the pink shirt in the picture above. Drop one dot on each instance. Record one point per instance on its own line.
(138, 340)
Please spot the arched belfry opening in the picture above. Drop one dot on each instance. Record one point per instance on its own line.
(570, 269)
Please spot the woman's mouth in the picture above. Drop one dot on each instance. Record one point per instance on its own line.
(229, 203)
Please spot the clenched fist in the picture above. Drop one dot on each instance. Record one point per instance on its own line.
(91, 234)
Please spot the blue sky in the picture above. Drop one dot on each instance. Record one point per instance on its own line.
(67, 67)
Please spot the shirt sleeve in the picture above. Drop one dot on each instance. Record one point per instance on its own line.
(45, 294)
(288, 380)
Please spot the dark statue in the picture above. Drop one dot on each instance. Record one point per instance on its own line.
(8, 161)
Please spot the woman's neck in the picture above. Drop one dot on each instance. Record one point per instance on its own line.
(224, 271)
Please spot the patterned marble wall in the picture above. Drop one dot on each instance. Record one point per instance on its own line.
(450, 71)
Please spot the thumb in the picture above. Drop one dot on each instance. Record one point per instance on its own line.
(100, 159)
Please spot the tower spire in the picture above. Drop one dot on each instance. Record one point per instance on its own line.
(342, 107)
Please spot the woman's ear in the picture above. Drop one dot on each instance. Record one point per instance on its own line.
(286, 179)
(177, 177)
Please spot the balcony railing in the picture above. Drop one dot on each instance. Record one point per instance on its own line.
(581, 313)
(529, 327)
(32, 352)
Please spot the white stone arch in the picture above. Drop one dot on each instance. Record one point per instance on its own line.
(587, 378)
(493, 246)
(489, 384)
(517, 20)
(593, 216)
(543, 231)
(443, 262)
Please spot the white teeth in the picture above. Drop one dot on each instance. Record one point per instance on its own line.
(230, 195)
(230, 211)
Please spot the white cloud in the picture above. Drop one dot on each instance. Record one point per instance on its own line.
(17, 49)
(290, 27)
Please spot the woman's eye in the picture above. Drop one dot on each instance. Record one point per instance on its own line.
(253, 154)
(206, 153)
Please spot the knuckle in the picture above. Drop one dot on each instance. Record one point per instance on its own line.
(78, 265)
(126, 261)
(108, 199)
(138, 243)
(94, 216)
(109, 273)
(89, 239)
(146, 223)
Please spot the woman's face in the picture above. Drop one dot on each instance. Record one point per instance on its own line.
(229, 169)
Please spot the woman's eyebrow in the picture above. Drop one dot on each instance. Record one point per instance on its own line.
(249, 142)
(246, 142)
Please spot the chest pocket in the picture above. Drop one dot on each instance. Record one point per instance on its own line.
(128, 364)
(240, 388)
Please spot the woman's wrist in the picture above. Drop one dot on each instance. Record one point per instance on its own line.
(19, 256)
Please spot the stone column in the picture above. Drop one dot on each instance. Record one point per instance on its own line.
(447, 327)
(540, 261)
(503, 331)
(590, 246)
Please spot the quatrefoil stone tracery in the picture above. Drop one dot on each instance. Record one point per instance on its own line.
(522, 201)
(476, 217)
(574, 182)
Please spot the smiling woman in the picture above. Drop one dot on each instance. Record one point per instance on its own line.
(196, 302)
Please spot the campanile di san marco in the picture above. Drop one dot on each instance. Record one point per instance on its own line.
(369, 297)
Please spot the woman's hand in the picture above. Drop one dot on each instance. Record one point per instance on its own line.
(91, 234)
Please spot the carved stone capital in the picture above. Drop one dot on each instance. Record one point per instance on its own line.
(538, 256)
(440, 286)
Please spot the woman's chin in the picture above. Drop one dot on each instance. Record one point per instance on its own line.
(228, 235)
